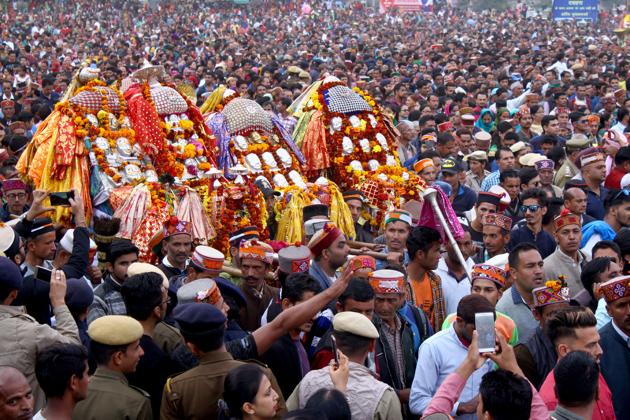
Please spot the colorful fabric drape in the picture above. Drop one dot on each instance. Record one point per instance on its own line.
(429, 218)
(145, 121)
(314, 145)
(47, 170)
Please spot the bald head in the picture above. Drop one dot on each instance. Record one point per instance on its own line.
(16, 397)
(575, 200)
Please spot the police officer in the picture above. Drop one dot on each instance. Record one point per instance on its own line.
(194, 394)
(116, 347)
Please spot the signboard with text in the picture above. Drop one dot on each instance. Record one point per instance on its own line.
(575, 9)
(407, 5)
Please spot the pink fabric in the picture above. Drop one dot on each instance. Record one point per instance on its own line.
(603, 409)
(447, 394)
(429, 218)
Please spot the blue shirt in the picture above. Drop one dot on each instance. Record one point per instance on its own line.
(439, 356)
(595, 203)
(382, 264)
(465, 199)
(490, 181)
(543, 241)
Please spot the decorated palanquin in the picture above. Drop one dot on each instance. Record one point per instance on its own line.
(254, 144)
(57, 157)
(344, 137)
(139, 151)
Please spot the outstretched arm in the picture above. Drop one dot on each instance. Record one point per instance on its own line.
(297, 315)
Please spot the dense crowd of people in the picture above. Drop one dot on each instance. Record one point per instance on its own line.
(521, 122)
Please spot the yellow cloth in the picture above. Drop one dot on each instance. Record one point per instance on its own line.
(214, 99)
(300, 127)
(38, 162)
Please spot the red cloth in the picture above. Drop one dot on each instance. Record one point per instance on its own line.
(603, 409)
(613, 180)
(145, 121)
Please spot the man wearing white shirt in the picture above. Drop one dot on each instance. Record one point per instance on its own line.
(455, 279)
(623, 119)
(440, 356)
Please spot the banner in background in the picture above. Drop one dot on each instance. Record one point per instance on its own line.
(575, 9)
(407, 5)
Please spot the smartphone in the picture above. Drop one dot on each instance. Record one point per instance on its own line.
(484, 324)
(334, 350)
(43, 274)
(61, 198)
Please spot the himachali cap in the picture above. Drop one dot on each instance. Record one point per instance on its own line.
(530, 159)
(428, 137)
(200, 290)
(554, 291)
(566, 218)
(324, 238)
(353, 195)
(423, 164)
(311, 211)
(7, 103)
(478, 155)
(544, 164)
(489, 272)
(207, 258)
(256, 250)
(67, 241)
(362, 262)
(174, 226)
(445, 126)
(615, 289)
(13, 184)
(398, 216)
(518, 146)
(115, 330)
(244, 234)
(294, 259)
(314, 225)
(482, 137)
(17, 125)
(588, 156)
(488, 197)
(468, 120)
(354, 323)
(141, 268)
(9, 240)
(466, 111)
(496, 219)
(577, 142)
(386, 281)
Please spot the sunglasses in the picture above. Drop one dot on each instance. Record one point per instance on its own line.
(532, 208)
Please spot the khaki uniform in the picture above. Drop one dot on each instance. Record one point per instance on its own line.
(171, 342)
(111, 397)
(367, 397)
(22, 338)
(193, 395)
(566, 171)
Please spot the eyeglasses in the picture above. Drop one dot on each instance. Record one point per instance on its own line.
(583, 121)
(16, 195)
(531, 208)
